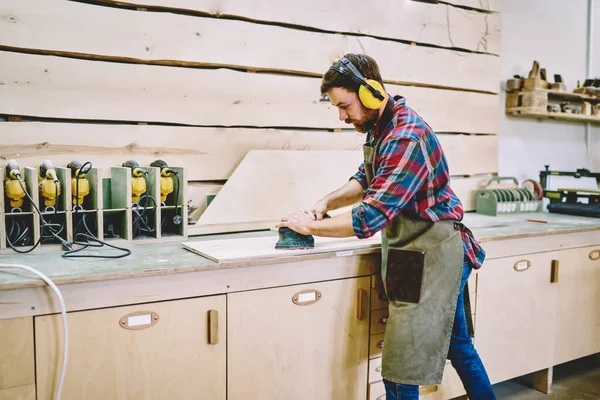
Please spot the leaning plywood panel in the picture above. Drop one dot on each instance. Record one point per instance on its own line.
(485, 5)
(268, 185)
(441, 25)
(80, 29)
(206, 153)
(57, 87)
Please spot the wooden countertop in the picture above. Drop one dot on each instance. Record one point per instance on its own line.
(150, 259)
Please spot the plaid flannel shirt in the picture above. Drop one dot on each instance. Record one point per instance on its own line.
(410, 177)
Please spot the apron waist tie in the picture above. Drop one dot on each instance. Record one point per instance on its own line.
(459, 226)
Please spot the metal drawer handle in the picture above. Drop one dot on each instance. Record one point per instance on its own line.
(554, 271)
(380, 345)
(378, 369)
(383, 320)
(423, 390)
(213, 327)
(382, 397)
(362, 304)
(594, 255)
(383, 297)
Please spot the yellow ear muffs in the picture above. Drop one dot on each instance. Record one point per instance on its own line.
(366, 96)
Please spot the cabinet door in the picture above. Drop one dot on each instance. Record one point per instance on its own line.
(163, 352)
(16, 354)
(516, 309)
(578, 314)
(299, 342)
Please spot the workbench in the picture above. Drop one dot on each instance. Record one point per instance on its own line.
(239, 331)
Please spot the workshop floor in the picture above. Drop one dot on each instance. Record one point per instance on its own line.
(576, 380)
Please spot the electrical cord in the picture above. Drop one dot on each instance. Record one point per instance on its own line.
(17, 234)
(140, 222)
(44, 226)
(55, 228)
(88, 239)
(177, 219)
(177, 199)
(63, 311)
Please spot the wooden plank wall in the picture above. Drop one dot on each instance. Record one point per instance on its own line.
(199, 83)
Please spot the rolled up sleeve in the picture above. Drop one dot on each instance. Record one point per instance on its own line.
(360, 176)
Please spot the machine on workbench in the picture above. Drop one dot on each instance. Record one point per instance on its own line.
(582, 197)
(507, 198)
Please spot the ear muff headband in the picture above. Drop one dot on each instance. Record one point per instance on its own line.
(369, 92)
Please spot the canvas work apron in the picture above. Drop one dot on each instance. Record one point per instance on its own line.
(422, 301)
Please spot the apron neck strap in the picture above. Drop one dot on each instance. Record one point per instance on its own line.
(384, 120)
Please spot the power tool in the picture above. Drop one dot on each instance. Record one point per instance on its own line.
(167, 184)
(166, 179)
(13, 189)
(138, 181)
(49, 184)
(80, 186)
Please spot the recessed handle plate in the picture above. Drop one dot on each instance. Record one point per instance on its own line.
(138, 320)
(306, 297)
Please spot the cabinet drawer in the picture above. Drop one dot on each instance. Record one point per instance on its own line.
(378, 298)
(451, 384)
(431, 392)
(378, 321)
(375, 370)
(377, 391)
(375, 345)
(16, 353)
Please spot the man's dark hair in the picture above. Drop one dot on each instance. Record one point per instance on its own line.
(365, 64)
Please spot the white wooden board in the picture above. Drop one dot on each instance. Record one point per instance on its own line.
(441, 24)
(245, 249)
(56, 87)
(270, 184)
(67, 27)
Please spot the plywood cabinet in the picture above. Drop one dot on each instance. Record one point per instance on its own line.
(167, 350)
(299, 342)
(17, 376)
(16, 352)
(578, 307)
(516, 313)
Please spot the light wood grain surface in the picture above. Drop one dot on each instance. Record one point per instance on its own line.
(441, 25)
(80, 29)
(42, 86)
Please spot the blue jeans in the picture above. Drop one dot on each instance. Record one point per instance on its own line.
(463, 356)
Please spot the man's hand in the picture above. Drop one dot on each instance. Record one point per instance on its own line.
(320, 208)
(298, 221)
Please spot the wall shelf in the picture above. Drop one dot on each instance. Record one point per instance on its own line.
(527, 112)
(554, 105)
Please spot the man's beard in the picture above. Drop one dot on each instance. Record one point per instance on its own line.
(367, 123)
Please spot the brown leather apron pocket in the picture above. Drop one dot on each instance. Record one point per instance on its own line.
(404, 275)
